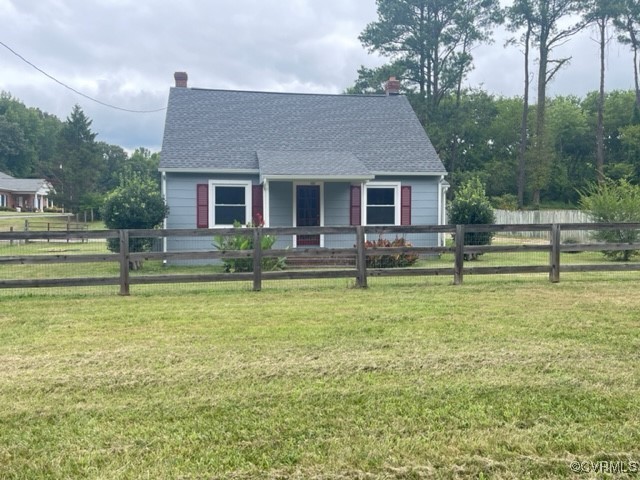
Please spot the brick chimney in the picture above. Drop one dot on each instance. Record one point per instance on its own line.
(392, 87)
(181, 79)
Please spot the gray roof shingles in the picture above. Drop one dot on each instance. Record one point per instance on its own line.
(224, 130)
(311, 164)
(21, 185)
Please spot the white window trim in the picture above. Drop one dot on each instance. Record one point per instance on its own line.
(295, 209)
(228, 183)
(396, 197)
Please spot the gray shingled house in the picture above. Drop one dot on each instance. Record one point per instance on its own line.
(293, 159)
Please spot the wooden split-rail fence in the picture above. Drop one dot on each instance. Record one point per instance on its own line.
(360, 252)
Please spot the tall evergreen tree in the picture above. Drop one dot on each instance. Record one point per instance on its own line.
(79, 163)
(520, 17)
(432, 42)
(552, 26)
(628, 26)
(601, 13)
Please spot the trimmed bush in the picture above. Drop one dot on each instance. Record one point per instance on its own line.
(136, 204)
(472, 207)
(614, 202)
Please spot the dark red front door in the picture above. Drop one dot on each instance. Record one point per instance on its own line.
(308, 213)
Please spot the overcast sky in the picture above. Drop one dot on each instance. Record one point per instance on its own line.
(124, 52)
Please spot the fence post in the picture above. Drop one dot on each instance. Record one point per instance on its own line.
(554, 256)
(70, 229)
(124, 261)
(11, 242)
(26, 229)
(361, 259)
(257, 259)
(48, 230)
(458, 267)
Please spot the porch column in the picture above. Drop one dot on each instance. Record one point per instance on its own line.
(266, 214)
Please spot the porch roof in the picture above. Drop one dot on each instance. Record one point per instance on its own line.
(311, 165)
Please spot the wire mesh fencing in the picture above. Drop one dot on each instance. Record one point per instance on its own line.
(131, 261)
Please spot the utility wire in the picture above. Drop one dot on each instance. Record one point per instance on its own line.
(73, 89)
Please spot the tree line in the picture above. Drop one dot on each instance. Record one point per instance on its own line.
(528, 153)
(81, 169)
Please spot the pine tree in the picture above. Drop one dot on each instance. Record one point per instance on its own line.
(79, 162)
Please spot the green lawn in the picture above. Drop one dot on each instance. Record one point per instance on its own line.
(492, 379)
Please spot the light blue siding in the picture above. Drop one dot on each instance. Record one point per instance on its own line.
(280, 204)
(281, 210)
(181, 198)
(336, 213)
(424, 206)
(336, 204)
(424, 198)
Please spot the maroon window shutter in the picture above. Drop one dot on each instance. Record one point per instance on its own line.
(202, 205)
(355, 217)
(257, 205)
(405, 205)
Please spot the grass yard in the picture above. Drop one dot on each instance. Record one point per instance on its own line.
(493, 379)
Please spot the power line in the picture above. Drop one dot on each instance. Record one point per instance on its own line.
(74, 90)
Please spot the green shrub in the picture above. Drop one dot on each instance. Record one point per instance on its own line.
(136, 204)
(7, 209)
(507, 201)
(53, 210)
(614, 202)
(472, 207)
(245, 242)
(398, 260)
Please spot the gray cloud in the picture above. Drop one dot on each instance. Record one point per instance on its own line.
(124, 52)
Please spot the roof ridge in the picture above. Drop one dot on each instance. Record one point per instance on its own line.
(358, 95)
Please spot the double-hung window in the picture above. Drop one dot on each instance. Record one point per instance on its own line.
(230, 203)
(382, 202)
